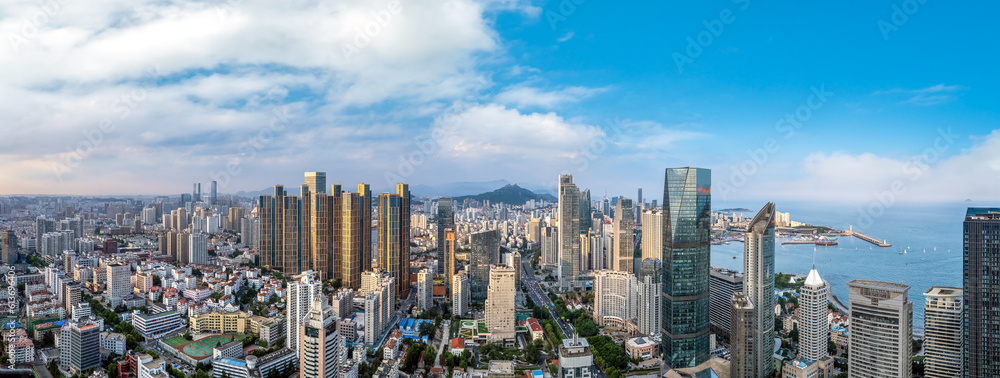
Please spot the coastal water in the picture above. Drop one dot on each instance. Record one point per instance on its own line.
(914, 228)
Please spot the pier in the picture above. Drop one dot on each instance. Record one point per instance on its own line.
(870, 239)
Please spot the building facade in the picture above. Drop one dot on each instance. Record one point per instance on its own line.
(981, 288)
(303, 289)
(814, 325)
(943, 332)
(500, 302)
(445, 221)
(881, 330)
(569, 232)
(687, 208)
(758, 284)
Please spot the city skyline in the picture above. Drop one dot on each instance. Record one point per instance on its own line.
(714, 92)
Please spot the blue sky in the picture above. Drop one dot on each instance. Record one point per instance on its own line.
(252, 94)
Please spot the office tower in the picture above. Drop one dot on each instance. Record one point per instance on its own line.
(365, 193)
(575, 359)
(449, 259)
(535, 230)
(394, 237)
(425, 290)
(652, 234)
(213, 197)
(316, 181)
(500, 319)
(283, 221)
(981, 288)
(942, 332)
(515, 263)
(687, 205)
(881, 330)
(79, 347)
(722, 285)
(624, 241)
(461, 295)
(196, 192)
(550, 246)
(119, 280)
(648, 306)
(321, 350)
(569, 231)
(484, 254)
(198, 249)
(350, 262)
(814, 325)
(758, 283)
(445, 221)
(615, 298)
(606, 206)
(743, 360)
(639, 203)
(303, 289)
(585, 211)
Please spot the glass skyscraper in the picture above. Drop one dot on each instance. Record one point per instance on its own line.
(445, 220)
(982, 288)
(758, 282)
(687, 208)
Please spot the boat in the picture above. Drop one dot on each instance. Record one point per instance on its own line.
(734, 257)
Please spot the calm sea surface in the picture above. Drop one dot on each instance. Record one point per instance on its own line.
(931, 235)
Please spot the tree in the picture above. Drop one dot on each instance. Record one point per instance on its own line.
(131, 342)
(427, 329)
(794, 335)
(430, 355)
(112, 369)
(831, 347)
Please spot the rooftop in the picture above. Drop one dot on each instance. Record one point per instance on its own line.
(895, 287)
(943, 291)
(501, 367)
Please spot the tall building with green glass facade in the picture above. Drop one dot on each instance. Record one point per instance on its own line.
(687, 205)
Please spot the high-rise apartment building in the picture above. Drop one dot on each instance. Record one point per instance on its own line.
(569, 231)
(485, 253)
(500, 317)
(624, 241)
(648, 305)
(550, 246)
(449, 259)
(445, 221)
(461, 295)
(687, 205)
(425, 290)
(198, 249)
(758, 283)
(365, 194)
(615, 298)
(379, 299)
(79, 347)
(303, 289)
(535, 230)
(814, 325)
(722, 285)
(321, 350)
(316, 181)
(943, 332)
(281, 232)
(881, 330)
(981, 288)
(744, 335)
(515, 263)
(394, 237)
(652, 234)
(348, 238)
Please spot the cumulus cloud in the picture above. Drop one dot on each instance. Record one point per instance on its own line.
(527, 96)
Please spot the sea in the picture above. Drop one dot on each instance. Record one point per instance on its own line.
(929, 234)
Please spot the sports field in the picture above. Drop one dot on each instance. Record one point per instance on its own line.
(202, 349)
(176, 341)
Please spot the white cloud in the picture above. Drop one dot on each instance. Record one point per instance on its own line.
(527, 96)
(933, 95)
(565, 37)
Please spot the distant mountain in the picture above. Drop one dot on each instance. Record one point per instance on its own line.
(452, 189)
(510, 194)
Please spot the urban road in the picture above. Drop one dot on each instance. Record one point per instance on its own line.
(539, 297)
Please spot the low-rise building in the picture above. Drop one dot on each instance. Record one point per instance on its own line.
(642, 348)
(156, 325)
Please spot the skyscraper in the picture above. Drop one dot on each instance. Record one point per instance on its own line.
(981, 286)
(449, 259)
(758, 283)
(515, 263)
(445, 221)
(500, 317)
(687, 205)
(394, 237)
(282, 232)
(349, 232)
(196, 192)
(303, 289)
(624, 245)
(365, 191)
(316, 181)
(79, 347)
(321, 350)
(648, 305)
(881, 330)
(198, 249)
(585, 211)
(215, 192)
(814, 326)
(569, 231)
(119, 284)
(550, 246)
(652, 234)
(943, 332)
(743, 360)
(461, 295)
(722, 285)
(484, 254)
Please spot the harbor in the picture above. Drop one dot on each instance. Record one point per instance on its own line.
(870, 239)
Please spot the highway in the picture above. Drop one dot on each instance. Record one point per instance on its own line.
(540, 298)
